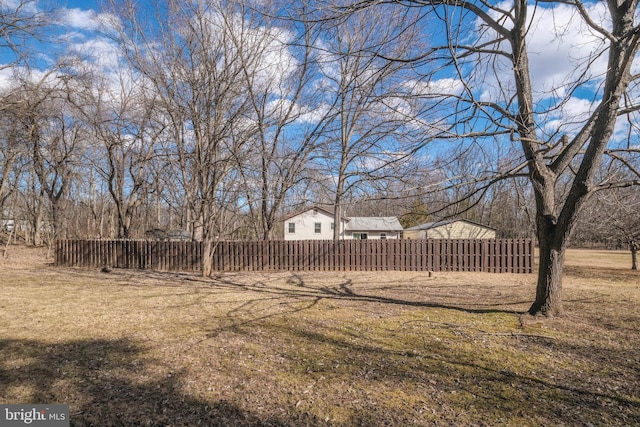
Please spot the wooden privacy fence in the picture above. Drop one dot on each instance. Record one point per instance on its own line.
(134, 254)
(495, 256)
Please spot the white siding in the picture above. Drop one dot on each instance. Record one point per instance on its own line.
(373, 234)
(305, 226)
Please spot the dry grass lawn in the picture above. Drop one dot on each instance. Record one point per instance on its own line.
(320, 349)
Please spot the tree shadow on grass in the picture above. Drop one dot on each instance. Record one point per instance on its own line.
(487, 390)
(344, 291)
(264, 299)
(105, 384)
(269, 296)
(295, 287)
(571, 399)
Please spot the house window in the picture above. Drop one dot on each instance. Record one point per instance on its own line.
(332, 227)
(292, 228)
(317, 228)
(358, 236)
(383, 236)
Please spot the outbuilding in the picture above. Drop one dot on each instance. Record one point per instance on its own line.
(450, 229)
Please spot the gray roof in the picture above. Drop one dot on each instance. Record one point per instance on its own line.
(429, 225)
(373, 223)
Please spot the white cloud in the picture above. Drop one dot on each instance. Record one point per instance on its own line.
(7, 80)
(267, 47)
(313, 115)
(98, 51)
(276, 63)
(440, 87)
(86, 19)
(567, 64)
(79, 37)
(561, 47)
(80, 19)
(570, 117)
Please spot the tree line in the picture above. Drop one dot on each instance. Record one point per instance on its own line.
(218, 120)
(218, 117)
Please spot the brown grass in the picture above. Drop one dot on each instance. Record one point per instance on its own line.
(320, 349)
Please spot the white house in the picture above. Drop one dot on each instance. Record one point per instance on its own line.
(450, 229)
(317, 224)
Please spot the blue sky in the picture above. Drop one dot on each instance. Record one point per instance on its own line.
(80, 4)
(557, 44)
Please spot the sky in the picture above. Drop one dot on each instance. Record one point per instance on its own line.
(558, 46)
(551, 58)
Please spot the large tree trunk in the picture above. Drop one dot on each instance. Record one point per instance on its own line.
(549, 287)
(634, 246)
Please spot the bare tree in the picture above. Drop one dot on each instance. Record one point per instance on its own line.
(611, 220)
(20, 21)
(371, 123)
(55, 158)
(13, 152)
(119, 111)
(50, 137)
(192, 54)
(278, 72)
(489, 48)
